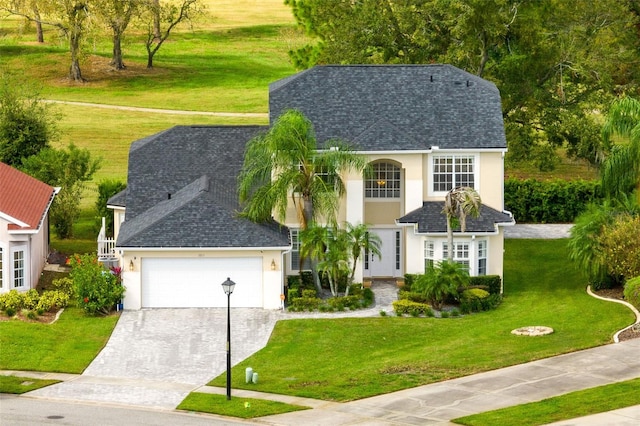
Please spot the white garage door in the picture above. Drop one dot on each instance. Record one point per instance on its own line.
(197, 282)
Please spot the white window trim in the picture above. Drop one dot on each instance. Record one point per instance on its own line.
(295, 241)
(400, 181)
(439, 253)
(3, 267)
(430, 160)
(25, 277)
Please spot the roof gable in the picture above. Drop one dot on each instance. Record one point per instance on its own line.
(431, 220)
(430, 105)
(24, 200)
(181, 191)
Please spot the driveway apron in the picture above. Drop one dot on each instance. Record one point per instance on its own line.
(155, 357)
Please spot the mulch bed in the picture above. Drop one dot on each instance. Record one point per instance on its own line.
(46, 318)
(617, 293)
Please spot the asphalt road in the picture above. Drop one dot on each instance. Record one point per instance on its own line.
(25, 411)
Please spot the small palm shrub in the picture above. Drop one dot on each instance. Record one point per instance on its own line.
(632, 292)
(441, 281)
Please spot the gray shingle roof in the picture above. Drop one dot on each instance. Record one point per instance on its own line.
(119, 199)
(431, 220)
(181, 191)
(395, 107)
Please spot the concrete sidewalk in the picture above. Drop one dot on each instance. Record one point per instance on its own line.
(438, 403)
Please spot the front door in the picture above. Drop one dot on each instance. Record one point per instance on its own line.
(389, 263)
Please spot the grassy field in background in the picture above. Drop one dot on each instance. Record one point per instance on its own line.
(224, 63)
(386, 354)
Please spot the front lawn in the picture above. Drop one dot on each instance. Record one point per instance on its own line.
(245, 408)
(568, 406)
(19, 385)
(347, 359)
(66, 346)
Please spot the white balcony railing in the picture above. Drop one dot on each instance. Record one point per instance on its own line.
(106, 245)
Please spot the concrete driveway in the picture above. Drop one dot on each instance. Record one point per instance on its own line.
(155, 357)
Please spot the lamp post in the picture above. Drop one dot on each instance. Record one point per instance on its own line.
(228, 286)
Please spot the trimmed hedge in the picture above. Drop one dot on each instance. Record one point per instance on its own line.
(491, 283)
(407, 307)
(555, 201)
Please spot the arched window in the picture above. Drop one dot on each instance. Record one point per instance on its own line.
(384, 181)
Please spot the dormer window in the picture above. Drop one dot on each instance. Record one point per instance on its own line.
(384, 181)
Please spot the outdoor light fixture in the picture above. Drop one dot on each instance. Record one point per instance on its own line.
(273, 264)
(131, 265)
(228, 287)
(382, 182)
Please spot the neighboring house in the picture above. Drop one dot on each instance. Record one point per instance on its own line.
(424, 129)
(24, 228)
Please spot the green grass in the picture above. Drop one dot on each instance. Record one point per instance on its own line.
(245, 408)
(66, 346)
(347, 359)
(568, 406)
(19, 385)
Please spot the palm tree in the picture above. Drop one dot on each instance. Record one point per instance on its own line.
(459, 203)
(445, 279)
(286, 164)
(621, 170)
(330, 247)
(361, 240)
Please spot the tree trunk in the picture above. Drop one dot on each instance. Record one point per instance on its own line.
(74, 46)
(156, 22)
(39, 33)
(116, 60)
(449, 240)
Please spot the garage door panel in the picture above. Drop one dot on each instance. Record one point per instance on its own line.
(197, 282)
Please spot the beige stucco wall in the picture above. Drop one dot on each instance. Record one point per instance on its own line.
(492, 179)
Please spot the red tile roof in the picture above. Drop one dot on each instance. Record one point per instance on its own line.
(23, 200)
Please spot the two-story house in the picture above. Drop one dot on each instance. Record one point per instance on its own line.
(424, 129)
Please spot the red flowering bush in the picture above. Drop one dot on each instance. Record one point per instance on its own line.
(98, 290)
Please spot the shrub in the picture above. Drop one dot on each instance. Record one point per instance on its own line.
(632, 291)
(367, 297)
(555, 201)
(475, 293)
(98, 290)
(64, 285)
(413, 296)
(409, 279)
(29, 314)
(107, 189)
(309, 293)
(491, 283)
(53, 300)
(13, 300)
(297, 304)
(30, 299)
(444, 314)
(407, 307)
(441, 282)
(10, 312)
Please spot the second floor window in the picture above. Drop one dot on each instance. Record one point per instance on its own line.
(384, 181)
(451, 171)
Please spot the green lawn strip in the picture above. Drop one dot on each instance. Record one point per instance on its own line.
(18, 385)
(66, 346)
(246, 408)
(353, 358)
(575, 404)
